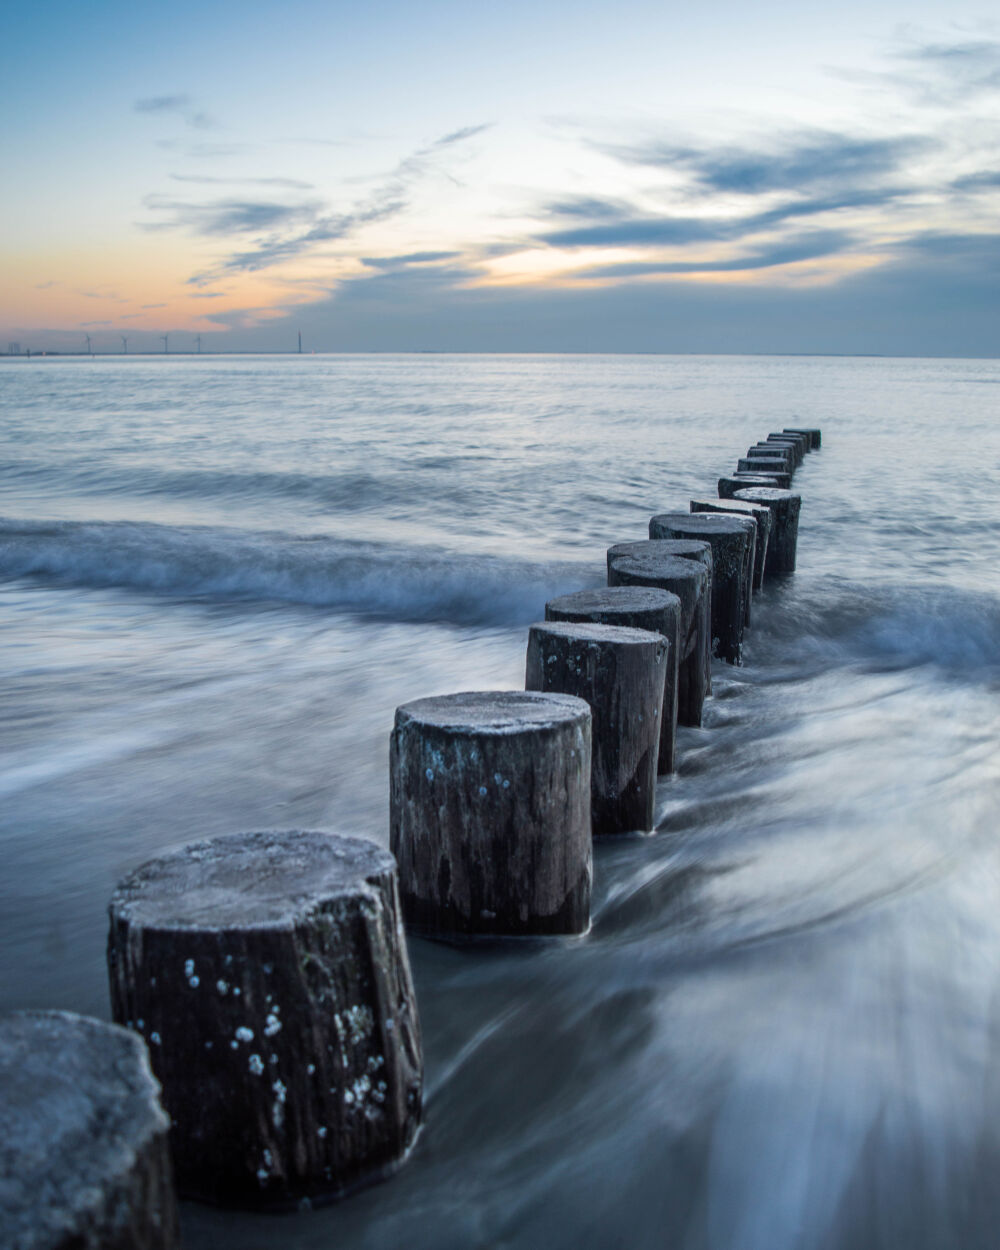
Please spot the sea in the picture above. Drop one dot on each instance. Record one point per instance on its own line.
(219, 576)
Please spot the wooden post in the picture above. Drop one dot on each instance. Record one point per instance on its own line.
(684, 549)
(84, 1161)
(268, 973)
(620, 673)
(784, 507)
(732, 539)
(691, 581)
(815, 435)
(636, 607)
(762, 517)
(763, 464)
(490, 813)
(784, 456)
(728, 486)
(800, 442)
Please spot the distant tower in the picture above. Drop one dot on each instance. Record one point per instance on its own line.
(197, 339)
(124, 339)
(90, 350)
(300, 342)
(166, 342)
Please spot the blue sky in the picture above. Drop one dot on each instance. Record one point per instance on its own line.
(520, 177)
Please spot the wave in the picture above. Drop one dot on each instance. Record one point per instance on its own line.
(954, 630)
(345, 490)
(400, 582)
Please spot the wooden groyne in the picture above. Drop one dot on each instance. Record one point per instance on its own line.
(266, 974)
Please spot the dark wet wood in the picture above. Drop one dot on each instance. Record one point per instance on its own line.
(84, 1160)
(690, 579)
(764, 464)
(268, 973)
(815, 435)
(728, 486)
(636, 607)
(732, 539)
(490, 813)
(620, 673)
(785, 508)
(761, 515)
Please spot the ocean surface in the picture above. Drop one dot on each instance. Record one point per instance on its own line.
(219, 577)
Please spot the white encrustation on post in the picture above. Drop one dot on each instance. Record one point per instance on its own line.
(268, 973)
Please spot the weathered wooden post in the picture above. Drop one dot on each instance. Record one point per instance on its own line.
(647, 549)
(268, 974)
(799, 441)
(490, 813)
(620, 673)
(84, 1161)
(732, 539)
(728, 486)
(772, 451)
(691, 581)
(784, 507)
(636, 607)
(764, 464)
(762, 518)
(815, 435)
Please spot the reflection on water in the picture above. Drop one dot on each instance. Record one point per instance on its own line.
(780, 1031)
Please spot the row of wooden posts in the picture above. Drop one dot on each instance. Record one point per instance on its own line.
(264, 976)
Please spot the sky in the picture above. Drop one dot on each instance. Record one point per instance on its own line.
(543, 176)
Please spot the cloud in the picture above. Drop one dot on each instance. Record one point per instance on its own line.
(812, 246)
(409, 258)
(225, 217)
(921, 303)
(984, 181)
(294, 230)
(801, 162)
(961, 70)
(293, 184)
(178, 105)
(154, 305)
(627, 228)
(162, 104)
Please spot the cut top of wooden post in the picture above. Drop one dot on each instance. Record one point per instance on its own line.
(250, 880)
(493, 712)
(83, 1139)
(662, 548)
(639, 607)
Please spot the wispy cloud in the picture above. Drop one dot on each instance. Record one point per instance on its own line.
(799, 162)
(224, 217)
(292, 184)
(178, 105)
(291, 229)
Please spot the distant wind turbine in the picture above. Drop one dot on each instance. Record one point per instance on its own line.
(90, 350)
(166, 342)
(124, 339)
(197, 339)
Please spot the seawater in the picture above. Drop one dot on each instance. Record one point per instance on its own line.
(218, 578)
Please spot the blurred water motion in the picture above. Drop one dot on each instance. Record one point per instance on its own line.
(781, 1030)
